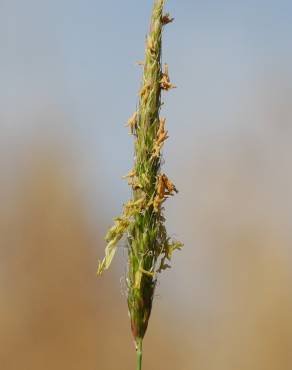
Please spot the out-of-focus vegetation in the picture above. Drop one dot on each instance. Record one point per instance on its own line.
(59, 187)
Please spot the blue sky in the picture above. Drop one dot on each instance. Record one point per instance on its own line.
(77, 58)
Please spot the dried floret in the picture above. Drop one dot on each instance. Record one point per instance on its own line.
(160, 138)
(164, 189)
(165, 81)
(167, 19)
(132, 123)
(145, 91)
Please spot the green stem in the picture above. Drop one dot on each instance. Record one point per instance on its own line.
(139, 354)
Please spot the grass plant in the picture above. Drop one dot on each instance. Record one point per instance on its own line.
(142, 221)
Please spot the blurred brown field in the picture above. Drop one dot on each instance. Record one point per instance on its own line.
(67, 88)
(225, 304)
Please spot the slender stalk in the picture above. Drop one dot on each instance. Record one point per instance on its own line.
(139, 355)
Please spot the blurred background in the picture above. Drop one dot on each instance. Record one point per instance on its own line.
(68, 85)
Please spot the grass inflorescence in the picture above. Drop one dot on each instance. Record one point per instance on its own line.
(149, 247)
